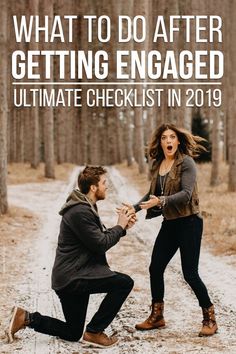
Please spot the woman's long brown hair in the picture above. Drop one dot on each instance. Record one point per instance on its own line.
(189, 144)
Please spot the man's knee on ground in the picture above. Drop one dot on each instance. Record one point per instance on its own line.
(130, 282)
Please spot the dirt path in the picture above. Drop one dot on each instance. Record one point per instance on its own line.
(132, 256)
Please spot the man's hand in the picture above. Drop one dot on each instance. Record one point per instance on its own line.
(131, 222)
(153, 201)
(126, 217)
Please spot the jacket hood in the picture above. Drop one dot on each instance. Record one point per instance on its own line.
(75, 197)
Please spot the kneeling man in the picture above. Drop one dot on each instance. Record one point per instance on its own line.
(81, 268)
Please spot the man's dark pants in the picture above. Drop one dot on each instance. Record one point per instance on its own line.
(74, 300)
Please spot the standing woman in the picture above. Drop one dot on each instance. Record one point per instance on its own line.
(173, 193)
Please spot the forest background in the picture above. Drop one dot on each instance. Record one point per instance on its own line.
(114, 135)
(41, 146)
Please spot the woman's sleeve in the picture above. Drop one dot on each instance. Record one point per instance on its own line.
(188, 179)
(144, 199)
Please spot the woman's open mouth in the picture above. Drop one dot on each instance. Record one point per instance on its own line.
(169, 148)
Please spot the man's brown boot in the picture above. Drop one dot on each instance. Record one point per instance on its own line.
(155, 320)
(19, 319)
(100, 340)
(209, 325)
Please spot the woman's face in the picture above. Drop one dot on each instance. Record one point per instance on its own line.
(169, 143)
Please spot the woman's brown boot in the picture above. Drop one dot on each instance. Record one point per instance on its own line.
(209, 325)
(155, 320)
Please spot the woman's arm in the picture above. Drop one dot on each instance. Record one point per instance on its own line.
(143, 199)
(135, 207)
(188, 179)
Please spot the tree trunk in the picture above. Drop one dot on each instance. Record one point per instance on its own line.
(232, 96)
(215, 148)
(46, 8)
(139, 135)
(33, 8)
(35, 159)
(141, 8)
(3, 108)
(232, 146)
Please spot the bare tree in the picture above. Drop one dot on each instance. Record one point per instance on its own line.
(46, 8)
(141, 8)
(232, 96)
(3, 107)
(215, 170)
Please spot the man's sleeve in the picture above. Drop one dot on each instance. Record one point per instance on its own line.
(84, 225)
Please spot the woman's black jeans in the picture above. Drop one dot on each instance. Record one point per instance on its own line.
(74, 300)
(183, 233)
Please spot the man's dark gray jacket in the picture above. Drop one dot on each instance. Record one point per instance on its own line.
(82, 243)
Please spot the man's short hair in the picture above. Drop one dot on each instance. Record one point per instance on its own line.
(90, 176)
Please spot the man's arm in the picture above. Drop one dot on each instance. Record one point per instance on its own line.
(84, 224)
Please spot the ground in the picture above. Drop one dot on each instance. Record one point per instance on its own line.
(27, 252)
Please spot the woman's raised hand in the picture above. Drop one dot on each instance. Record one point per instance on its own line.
(129, 207)
(153, 201)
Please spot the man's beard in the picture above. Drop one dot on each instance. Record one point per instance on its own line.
(99, 195)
